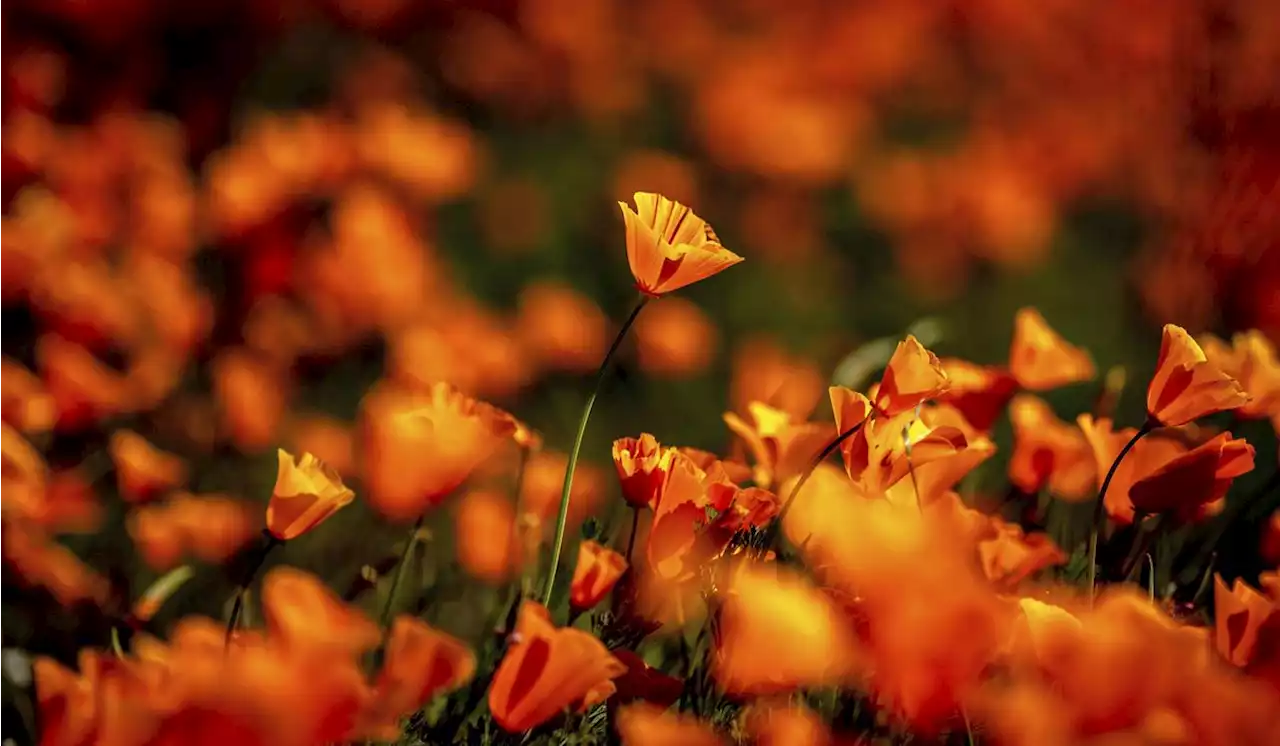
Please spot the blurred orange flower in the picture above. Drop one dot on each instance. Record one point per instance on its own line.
(143, 471)
(309, 619)
(717, 469)
(1040, 359)
(1012, 556)
(1270, 549)
(25, 475)
(763, 371)
(1048, 453)
(41, 562)
(1186, 386)
(547, 669)
(1250, 359)
(330, 439)
(1148, 455)
(675, 339)
(780, 448)
(597, 571)
(487, 544)
(668, 247)
(210, 527)
(307, 492)
(561, 327)
(783, 725)
(420, 663)
(1239, 613)
(980, 392)
(779, 633)
(24, 401)
(251, 397)
(1190, 484)
(641, 682)
(643, 724)
(399, 426)
(913, 376)
(642, 465)
(84, 389)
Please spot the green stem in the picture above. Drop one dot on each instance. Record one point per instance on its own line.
(577, 447)
(635, 523)
(1099, 508)
(251, 571)
(388, 606)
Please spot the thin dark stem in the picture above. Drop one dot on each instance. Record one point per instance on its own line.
(577, 447)
(829, 449)
(1099, 507)
(388, 606)
(251, 571)
(1141, 543)
(635, 523)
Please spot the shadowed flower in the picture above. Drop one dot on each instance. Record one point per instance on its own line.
(980, 392)
(210, 527)
(143, 471)
(307, 492)
(420, 445)
(308, 618)
(642, 465)
(1040, 359)
(779, 633)
(1190, 484)
(487, 544)
(913, 376)
(779, 447)
(641, 682)
(668, 247)
(547, 669)
(421, 663)
(1239, 613)
(1146, 456)
(24, 401)
(644, 724)
(25, 475)
(717, 469)
(679, 512)
(84, 389)
(1270, 549)
(1048, 453)
(597, 571)
(675, 339)
(41, 562)
(1250, 359)
(1186, 386)
(850, 407)
(1012, 555)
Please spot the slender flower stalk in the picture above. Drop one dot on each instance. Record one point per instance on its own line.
(577, 446)
(1099, 509)
(388, 606)
(829, 449)
(270, 541)
(635, 523)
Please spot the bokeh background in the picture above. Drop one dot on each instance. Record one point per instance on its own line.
(225, 220)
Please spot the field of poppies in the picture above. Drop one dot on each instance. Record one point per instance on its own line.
(373, 373)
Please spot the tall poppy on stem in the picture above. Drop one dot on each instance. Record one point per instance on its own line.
(668, 247)
(1099, 507)
(852, 411)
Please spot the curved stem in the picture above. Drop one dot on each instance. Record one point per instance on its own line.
(829, 449)
(251, 572)
(577, 446)
(1099, 509)
(388, 606)
(635, 523)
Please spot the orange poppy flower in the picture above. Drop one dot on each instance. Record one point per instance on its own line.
(850, 407)
(643, 724)
(1239, 612)
(980, 392)
(1250, 359)
(642, 465)
(25, 475)
(780, 448)
(307, 492)
(84, 389)
(210, 527)
(1048, 452)
(251, 398)
(486, 530)
(43, 563)
(24, 401)
(420, 663)
(778, 633)
(1148, 455)
(675, 339)
(1040, 359)
(561, 327)
(306, 617)
(641, 682)
(679, 510)
(668, 247)
(876, 457)
(547, 669)
(142, 470)
(421, 445)
(69, 504)
(597, 571)
(913, 376)
(781, 725)
(1191, 483)
(1186, 386)
(764, 371)
(717, 469)
(1012, 556)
